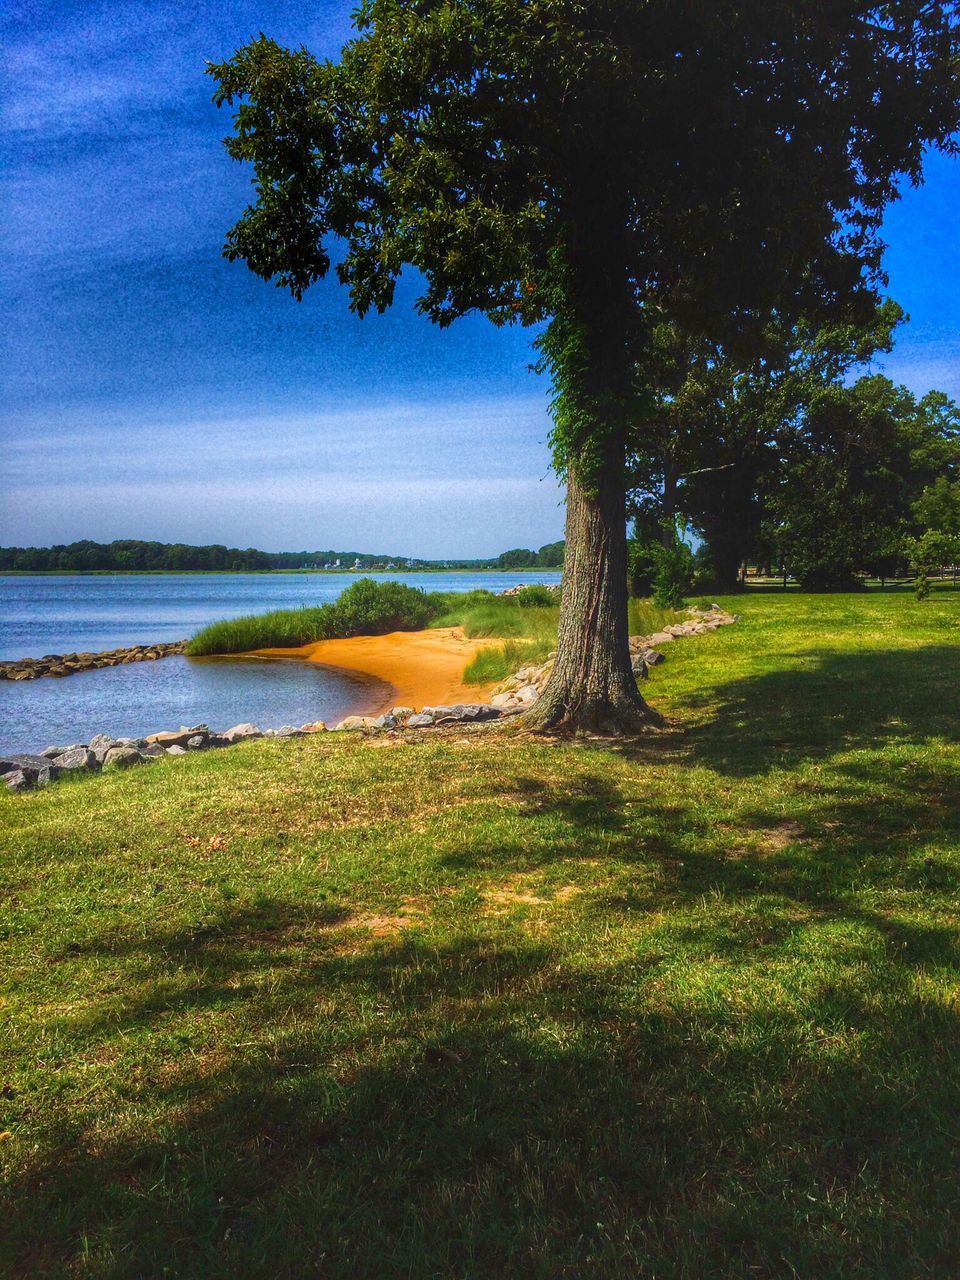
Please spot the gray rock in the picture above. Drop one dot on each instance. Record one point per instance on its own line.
(502, 700)
(241, 731)
(355, 722)
(652, 658)
(289, 731)
(639, 666)
(183, 738)
(468, 712)
(386, 721)
(421, 721)
(527, 695)
(16, 780)
(100, 744)
(152, 749)
(124, 757)
(175, 750)
(77, 758)
(401, 713)
(38, 770)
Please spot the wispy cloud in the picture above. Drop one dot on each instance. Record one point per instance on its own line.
(438, 472)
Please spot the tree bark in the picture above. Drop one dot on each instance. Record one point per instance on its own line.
(593, 689)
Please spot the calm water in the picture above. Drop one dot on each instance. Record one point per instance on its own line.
(66, 614)
(70, 614)
(145, 697)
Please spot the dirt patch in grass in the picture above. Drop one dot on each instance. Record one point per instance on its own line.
(781, 835)
(386, 924)
(522, 890)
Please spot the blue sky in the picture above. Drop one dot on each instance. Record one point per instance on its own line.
(151, 389)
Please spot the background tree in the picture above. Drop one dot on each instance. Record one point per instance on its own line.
(938, 507)
(854, 469)
(550, 556)
(715, 444)
(601, 167)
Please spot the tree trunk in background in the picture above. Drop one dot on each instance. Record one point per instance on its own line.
(593, 689)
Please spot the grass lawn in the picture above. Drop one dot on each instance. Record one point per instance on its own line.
(483, 1006)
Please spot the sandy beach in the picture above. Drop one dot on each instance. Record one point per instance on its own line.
(423, 668)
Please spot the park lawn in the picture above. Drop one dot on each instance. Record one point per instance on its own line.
(476, 1005)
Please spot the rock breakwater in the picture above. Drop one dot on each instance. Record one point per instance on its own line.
(67, 664)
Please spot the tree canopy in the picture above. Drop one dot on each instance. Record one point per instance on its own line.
(601, 168)
(855, 464)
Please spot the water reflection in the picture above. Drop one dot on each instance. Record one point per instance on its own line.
(144, 697)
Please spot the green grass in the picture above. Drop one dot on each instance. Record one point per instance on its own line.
(483, 1006)
(533, 632)
(370, 608)
(279, 629)
(366, 607)
(502, 661)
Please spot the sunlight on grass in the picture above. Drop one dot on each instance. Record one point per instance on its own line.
(685, 1006)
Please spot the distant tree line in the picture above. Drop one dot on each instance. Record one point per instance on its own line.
(132, 555)
(548, 557)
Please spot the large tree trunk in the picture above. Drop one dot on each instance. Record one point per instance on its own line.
(593, 689)
(591, 346)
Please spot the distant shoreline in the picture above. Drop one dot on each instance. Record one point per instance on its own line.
(234, 573)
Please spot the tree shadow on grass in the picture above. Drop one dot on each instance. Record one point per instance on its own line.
(846, 701)
(497, 1112)
(308, 1101)
(491, 1105)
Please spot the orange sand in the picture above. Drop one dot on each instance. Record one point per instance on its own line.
(424, 668)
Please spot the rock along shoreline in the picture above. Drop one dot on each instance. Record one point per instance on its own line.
(67, 664)
(25, 771)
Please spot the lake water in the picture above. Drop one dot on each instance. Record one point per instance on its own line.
(68, 614)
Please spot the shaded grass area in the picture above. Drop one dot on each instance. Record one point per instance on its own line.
(475, 1005)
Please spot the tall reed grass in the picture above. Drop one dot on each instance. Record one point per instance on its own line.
(372, 608)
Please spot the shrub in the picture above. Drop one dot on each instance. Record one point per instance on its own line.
(674, 576)
(663, 571)
(641, 567)
(929, 553)
(371, 608)
(537, 596)
(365, 608)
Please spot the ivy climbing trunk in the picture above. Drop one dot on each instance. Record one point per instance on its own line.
(593, 688)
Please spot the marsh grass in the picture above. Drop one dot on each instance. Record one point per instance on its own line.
(279, 629)
(371, 608)
(366, 607)
(471, 1005)
(535, 634)
(498, 663)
